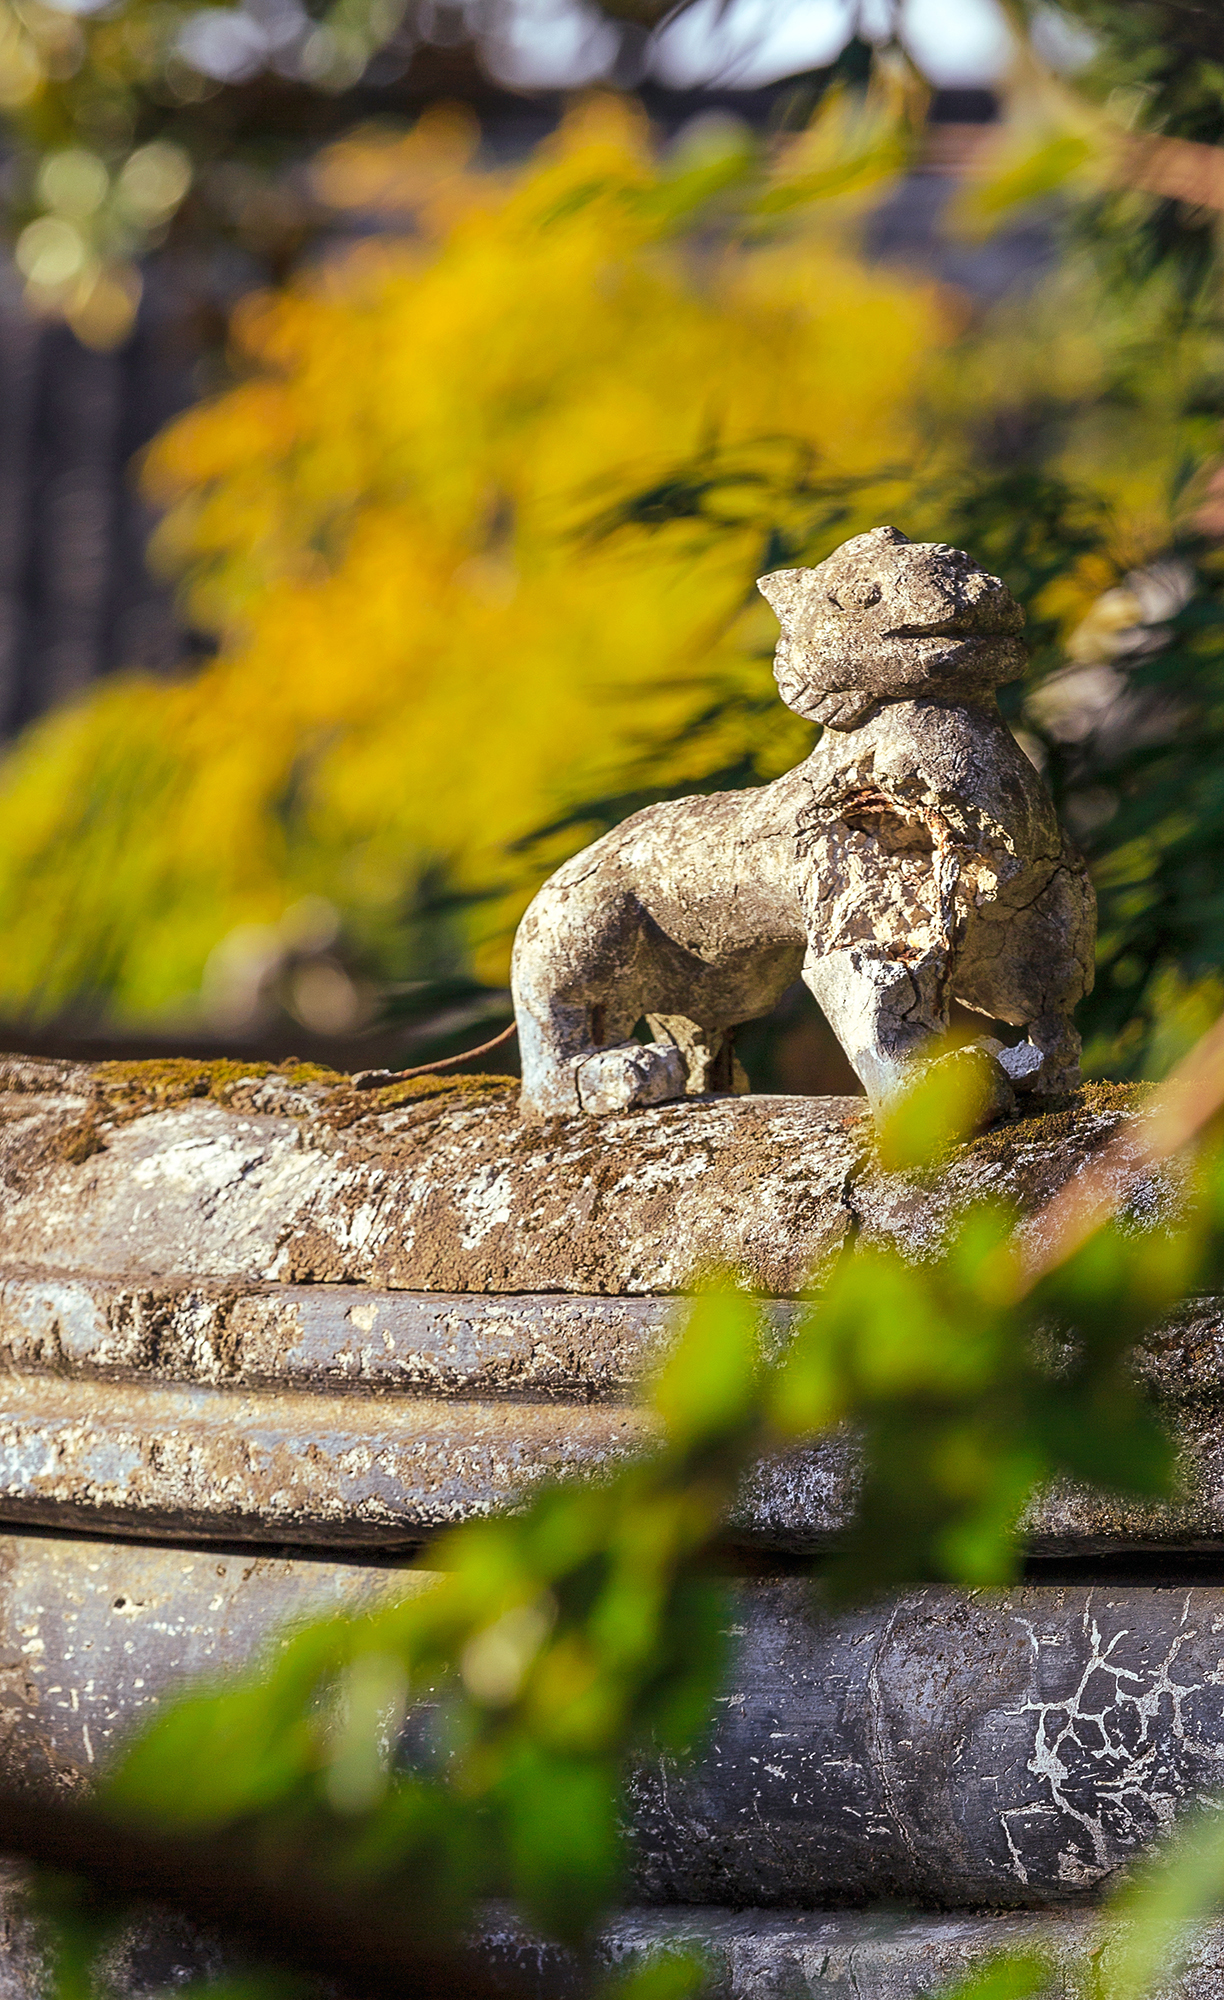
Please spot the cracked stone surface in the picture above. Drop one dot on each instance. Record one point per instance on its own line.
(914, 858)
(1009, 1750)
(942, 1747)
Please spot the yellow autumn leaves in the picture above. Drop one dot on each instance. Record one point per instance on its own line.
(424, 656)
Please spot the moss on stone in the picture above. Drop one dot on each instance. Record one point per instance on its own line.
(468, 1083)
(152, 1085)
(78, 1142)
(1059, 1118)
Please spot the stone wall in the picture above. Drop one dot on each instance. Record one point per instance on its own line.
(264, 1335)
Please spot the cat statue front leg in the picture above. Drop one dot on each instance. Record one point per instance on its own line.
(577, 1055)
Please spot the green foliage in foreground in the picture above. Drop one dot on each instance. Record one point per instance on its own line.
(556, 1644)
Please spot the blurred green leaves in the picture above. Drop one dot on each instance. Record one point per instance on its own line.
(554, 1645)
(951, 1100)
(1013, 1976)
(709, 1385)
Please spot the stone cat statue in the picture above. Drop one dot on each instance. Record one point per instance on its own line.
(914, 858)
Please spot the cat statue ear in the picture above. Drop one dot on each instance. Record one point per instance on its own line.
(782, 590)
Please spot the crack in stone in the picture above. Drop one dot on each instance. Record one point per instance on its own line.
(1129, 1793)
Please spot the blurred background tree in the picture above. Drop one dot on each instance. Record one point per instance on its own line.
(468, 535)
(425, 650)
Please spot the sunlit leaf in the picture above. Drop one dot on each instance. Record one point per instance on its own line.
(949, 1100)
(710, 1379)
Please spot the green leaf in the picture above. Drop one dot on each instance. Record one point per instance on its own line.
(564, 1842)
(667, 1974)
(710, 1383)
(1150, 1920)
(1011, 1977)
(947, 1103)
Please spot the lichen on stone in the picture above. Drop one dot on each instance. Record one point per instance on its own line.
(1058, 1118)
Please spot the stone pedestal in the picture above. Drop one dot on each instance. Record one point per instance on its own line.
(262, 1337)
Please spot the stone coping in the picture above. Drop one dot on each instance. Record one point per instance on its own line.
(336, 1338)
(438, 1186)
(276, 1467)
(342, 1416)
(264, 1310)
(856, 1954)
(827, 1954)
(273, 1308)
(282, 1467)
(526, 1346)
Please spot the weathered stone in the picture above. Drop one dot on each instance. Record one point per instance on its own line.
(94, 1636)
(1023, 1164)
(913, 859)
(275, 1467)
(164, 1375)
(274, 1312)
(445, 1190)
(862, 1955)
(625, 1078)
(947, 1747)
(221, 1333)
(942, 1747)
(749, 1954)
(338, 1416)
(443, 1187)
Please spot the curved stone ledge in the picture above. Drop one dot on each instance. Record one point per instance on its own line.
(94, 1635)
(434, 1188)
(858, 1954)
(947, 1747)
(284, 1467)
(442, 1192)
(334, 1338)
(340, 1415)
(748, 1954)
(289, 1313)
(389, 1473)
(570, 1346)
(228, 1268)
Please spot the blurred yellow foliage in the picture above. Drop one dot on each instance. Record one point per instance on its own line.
(422, 656)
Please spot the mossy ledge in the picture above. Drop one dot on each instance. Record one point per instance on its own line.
(120, 1092)
(1059, 1118)
(132, 1088)
(154, 1084)
(436, 1183)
